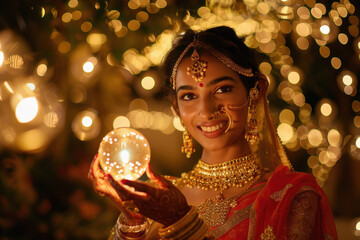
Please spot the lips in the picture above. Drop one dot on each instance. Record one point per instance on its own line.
(213, 130)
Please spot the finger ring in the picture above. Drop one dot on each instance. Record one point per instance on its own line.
(100, 193)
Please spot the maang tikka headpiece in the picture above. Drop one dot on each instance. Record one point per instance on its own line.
(199, 66)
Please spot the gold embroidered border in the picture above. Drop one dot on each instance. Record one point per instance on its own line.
(236, 218)
(277, 196)
(231, 222)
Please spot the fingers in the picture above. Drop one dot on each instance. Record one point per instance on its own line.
(126, 193)
(158, 179)
(94, 166)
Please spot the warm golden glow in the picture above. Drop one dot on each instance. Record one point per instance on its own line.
(326, 109)
(96, 40)
(294, 77)
(357, 121)
(121, 121)
(133, 25)
(315, 137)
(42, 12)
(73, 3)
(26, 110)
(347, 80)
(324, 51)
(177, 124)
(348, 90)
(334, 137)
(142, 16)
(88, 67)
(265, 67)
(8, 87)
(343, 38)
(64, 47)
(31, 86)
(32, 140)
(1, 58)
(303, 29)
(41, 70)
(87, 121)
(316, 12)
(357, 143)
(355, 106)
(76, 15)
(325, 29)
(336, 62)
(287, 116)
(86, 26)
(285, 132)
(66, 17)
(302, 43)
(148, 83)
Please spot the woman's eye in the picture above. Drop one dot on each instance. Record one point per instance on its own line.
(187, 97)
(224, 89)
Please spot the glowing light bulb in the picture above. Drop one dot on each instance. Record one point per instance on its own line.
(26, 110)
(86, 121)
(88, 67)
(124, 153)
(325, 29)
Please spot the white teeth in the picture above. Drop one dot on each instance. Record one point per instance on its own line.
(212, 128)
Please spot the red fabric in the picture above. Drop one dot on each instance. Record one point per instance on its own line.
(274, 213)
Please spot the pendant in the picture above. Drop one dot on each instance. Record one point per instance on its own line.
(215, 212)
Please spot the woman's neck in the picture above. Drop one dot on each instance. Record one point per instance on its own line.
(238, 149)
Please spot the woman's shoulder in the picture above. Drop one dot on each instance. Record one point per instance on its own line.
(286, 182)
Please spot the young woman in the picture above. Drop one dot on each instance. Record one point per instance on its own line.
(243, 187)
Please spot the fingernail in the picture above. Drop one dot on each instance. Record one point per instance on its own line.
(124, 181)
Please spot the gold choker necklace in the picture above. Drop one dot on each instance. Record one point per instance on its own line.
(235, 173)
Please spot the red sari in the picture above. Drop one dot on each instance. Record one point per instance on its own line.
(263, 212)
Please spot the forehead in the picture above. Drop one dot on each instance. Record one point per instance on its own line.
(215, 69)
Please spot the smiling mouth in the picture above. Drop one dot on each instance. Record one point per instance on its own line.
(212, 128)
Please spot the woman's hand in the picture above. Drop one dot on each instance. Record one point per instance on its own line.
(103, 187)
(163, 203)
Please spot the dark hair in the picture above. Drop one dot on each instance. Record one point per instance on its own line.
(224, 40)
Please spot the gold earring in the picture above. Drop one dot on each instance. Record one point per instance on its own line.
(188, 146)
(252, 131)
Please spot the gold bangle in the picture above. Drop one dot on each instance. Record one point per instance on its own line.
(189, 216)
(201, 232)
(184, 232)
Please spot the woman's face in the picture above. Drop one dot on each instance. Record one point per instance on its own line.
(198, 102)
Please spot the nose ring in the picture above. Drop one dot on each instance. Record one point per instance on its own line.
(217, 114)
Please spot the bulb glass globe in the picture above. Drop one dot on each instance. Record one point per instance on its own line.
(124, 154)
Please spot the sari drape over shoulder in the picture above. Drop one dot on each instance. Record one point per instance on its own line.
(263, 212)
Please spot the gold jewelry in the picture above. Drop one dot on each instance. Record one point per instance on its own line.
(100, 193)
(124, 231)
(247, 72)
(252, 129)
(234, 173)
(189, 227)
(188, 146)
(198, 68)
(217, 114)
(215, 212)
(235, 107)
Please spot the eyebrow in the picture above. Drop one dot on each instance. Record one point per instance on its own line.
(211, 83)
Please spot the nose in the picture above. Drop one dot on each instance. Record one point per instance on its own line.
(207, 106)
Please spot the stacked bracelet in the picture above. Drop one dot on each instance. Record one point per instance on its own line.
(130, 232)
(189, 227)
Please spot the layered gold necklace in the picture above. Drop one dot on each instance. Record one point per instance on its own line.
(239, 172)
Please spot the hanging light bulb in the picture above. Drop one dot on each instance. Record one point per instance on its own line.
(124, 153)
